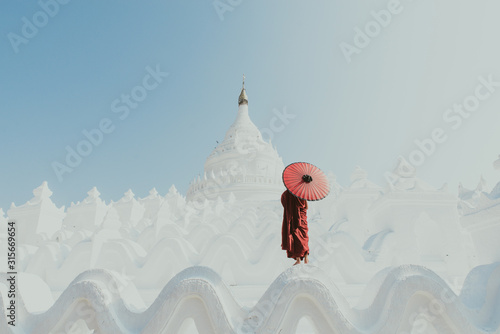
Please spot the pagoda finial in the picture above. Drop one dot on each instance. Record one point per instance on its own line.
(243, 98)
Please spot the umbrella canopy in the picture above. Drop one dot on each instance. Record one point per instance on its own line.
(306, 181)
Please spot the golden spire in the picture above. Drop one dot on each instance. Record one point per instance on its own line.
(243, 98)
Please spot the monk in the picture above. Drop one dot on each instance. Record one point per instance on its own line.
(294, 238)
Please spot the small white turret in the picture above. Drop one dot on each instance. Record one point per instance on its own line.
(39, 218)
(88, 214)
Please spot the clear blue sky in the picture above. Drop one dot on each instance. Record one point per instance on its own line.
(64, 78)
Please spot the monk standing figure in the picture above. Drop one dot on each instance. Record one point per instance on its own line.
(294, 238)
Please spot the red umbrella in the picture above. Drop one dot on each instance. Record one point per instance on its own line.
(306, 181)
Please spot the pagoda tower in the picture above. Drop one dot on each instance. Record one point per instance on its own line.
(243, 164)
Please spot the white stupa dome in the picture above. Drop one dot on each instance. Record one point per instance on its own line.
(242, 164)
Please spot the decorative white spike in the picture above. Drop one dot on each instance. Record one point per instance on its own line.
(153, 192)
(129, 194)
(482, 185)
(93, 193)
(496, 164)
(42, 191)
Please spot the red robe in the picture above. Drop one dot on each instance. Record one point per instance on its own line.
(294, 238)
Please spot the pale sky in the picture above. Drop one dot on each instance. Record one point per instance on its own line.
(75, 67)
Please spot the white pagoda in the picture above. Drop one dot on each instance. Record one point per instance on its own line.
(242, 164)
